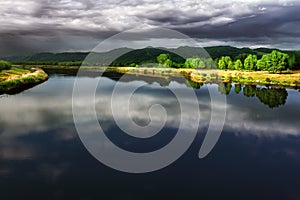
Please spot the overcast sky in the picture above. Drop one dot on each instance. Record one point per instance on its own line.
(79, 25)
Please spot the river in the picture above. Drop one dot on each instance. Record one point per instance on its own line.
(256, 157)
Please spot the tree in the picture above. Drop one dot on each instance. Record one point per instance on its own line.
(279, 61)
(292, 61)
(4, 65)
(238, 65)
(195, 63)
(168, 63)
(231, 65)
(264, 63)
(237, 88)
(249, 90)
(225, 88)
(161, 59)
(275, 61)
(250, 62)
(193, 84)
(224, 62)
(273, 97)
(241, 57)
(164, 60)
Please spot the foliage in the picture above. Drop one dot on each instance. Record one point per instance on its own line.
(279, 61)
(237, 88)
(250, 62)
(149, 55)
(224, 62)
(225, 88)
(273, 97)
(162, 58)
(238, 64)
(19, 82)
(193, 84)
(272, 62)
(249, 90)
(4, 65)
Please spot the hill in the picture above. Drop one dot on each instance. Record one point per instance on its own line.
(127, 56)
(146, 55)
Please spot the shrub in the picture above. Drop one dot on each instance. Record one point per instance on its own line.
(4, 65)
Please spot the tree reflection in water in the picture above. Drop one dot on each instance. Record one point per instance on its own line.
(272, 97)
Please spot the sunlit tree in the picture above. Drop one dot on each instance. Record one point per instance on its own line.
(238, 65)
(250, 62)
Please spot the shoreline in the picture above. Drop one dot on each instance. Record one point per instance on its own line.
(13, 83)
(225, 76)
(202, 76)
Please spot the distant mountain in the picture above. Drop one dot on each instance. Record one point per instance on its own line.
(105, 57)
(49, 57)
(146, 55)
(127, 56)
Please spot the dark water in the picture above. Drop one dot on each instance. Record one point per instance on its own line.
(256, 157)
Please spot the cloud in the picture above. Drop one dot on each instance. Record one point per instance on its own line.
(57, 25)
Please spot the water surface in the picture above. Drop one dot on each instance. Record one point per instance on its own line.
(256, 157)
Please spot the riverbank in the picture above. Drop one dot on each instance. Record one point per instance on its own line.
(291, 79)
(18, 79)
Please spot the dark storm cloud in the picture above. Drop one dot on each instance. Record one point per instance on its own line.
(277, 22)
(58, 25)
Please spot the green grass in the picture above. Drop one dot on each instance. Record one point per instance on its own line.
(292, 78)
(14, 71)
(18, 79)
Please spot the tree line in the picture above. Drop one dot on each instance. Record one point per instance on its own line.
(275, 61)
(272, 62)
(272, 97)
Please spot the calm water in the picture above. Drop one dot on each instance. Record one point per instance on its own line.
(256, 157)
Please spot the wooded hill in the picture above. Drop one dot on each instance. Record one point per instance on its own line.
(146, 55)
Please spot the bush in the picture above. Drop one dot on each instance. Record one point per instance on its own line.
(4, 65)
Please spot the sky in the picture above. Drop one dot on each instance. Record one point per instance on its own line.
(28, 26)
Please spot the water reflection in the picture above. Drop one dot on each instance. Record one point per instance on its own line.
(272, 97)
(41, 154)
(268, 95)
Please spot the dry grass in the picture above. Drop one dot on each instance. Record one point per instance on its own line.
(18, 79)
(236, 76)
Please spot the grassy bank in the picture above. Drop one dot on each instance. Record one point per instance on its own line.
(18, 79)
(291, 79)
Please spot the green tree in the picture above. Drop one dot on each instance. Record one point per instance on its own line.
(224, 62)
(193, 84)
(264, 63)
(241, 57)
(249, 90)
(292, 61)
(4, 65)
(168, 63)
(231, 65)
(195, 63)
(209, 63)
(273, 97)
(238, 65)
(237, 88)
(279, 61)
(162, 58)
(225, 88)
(250, 62)
(275, 61)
